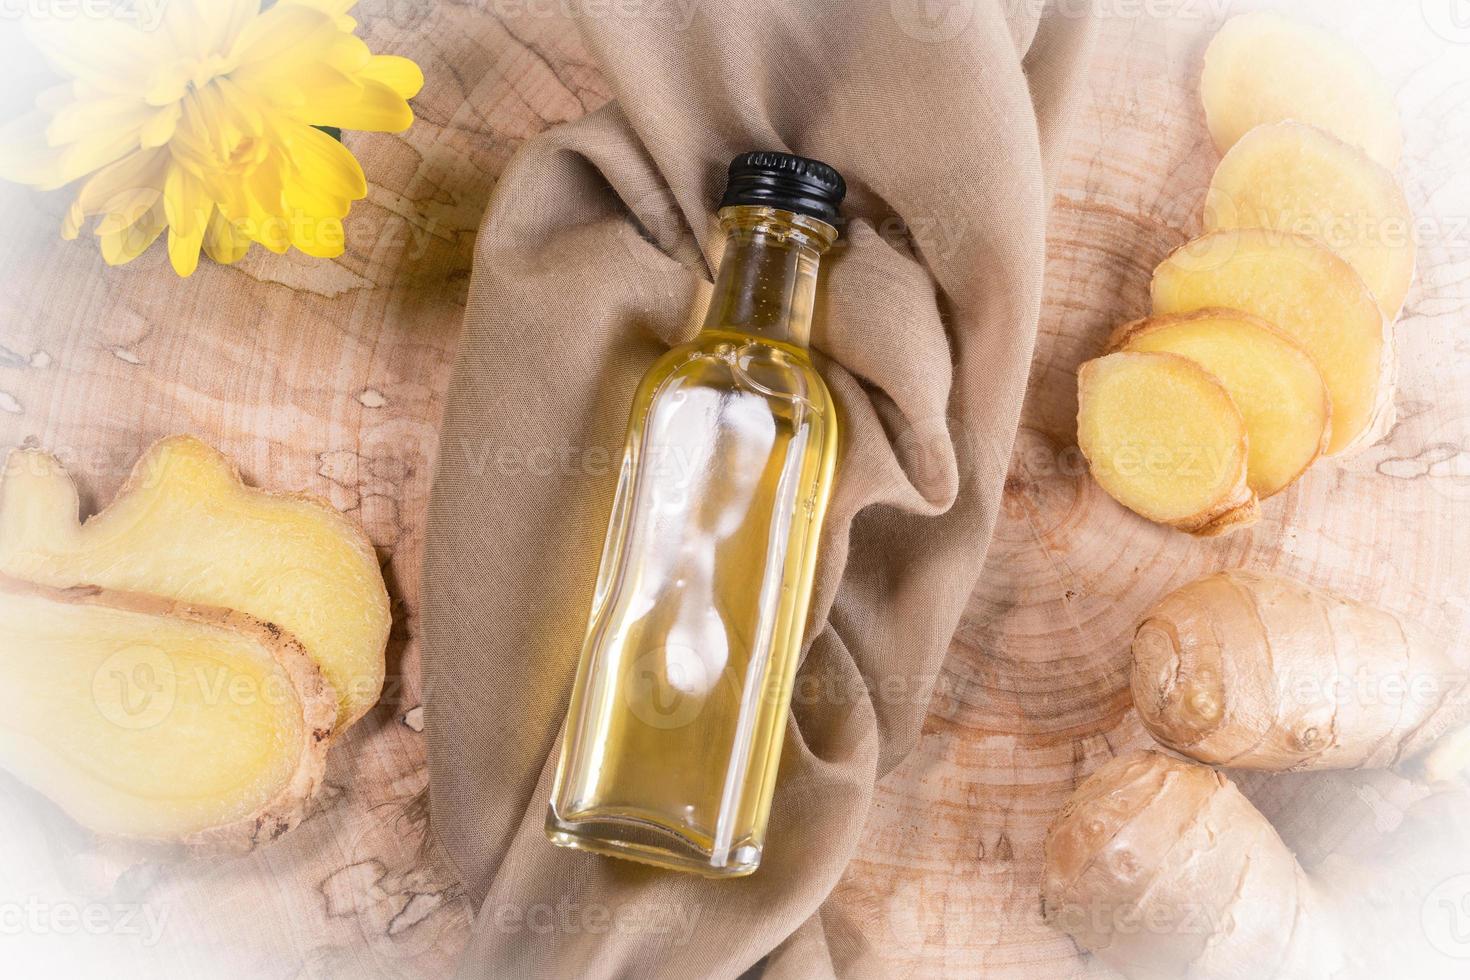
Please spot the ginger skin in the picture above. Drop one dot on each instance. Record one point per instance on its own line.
(1165, 871)
(1261, 672)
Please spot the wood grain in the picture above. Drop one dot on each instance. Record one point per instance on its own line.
(1034, 693)
(328, 376)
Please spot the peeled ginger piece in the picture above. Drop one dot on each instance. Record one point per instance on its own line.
(1164, 439)
(1309, 294)
(150, 719)
(1297, 178)
(1271, 379)
(184, 527)
(1262, 68)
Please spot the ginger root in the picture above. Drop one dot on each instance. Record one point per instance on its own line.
(1296, 178)
(1271, 379)
(160, 721)
(185, 527)
(1162, 436)
(1306, 292)
(1165, 871)
(1261, 672)
(1263, 68)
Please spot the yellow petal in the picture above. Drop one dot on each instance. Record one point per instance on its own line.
(96, 118)
(321, 238)
(183, 252)
(188, 207)
(117, 184)
(207, 27)
(160, 129)
(315, 92)
(223, 242)
(311, 199)
(282, 40)
(25, 156)
(126, 244)
(127, 208)
(380, 110)
(335, 8)
(323, 162)
(348, 53)
(92, 153)
(112, 55)
(271, 231)
(186, 202)
(266, 184)
(399, 74)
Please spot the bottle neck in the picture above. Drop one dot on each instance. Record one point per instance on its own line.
(767, 280)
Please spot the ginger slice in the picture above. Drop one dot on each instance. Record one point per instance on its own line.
(1263, 68)
(185, 527)
(1312, 296)
(1271, 379)
(1164, 439)
(155, 720)
(1297, 178)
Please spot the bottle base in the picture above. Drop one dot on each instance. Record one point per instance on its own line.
(639, 840)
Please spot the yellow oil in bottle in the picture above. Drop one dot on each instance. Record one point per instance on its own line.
(676, 720)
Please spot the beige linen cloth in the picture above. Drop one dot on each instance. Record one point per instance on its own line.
(947, 120)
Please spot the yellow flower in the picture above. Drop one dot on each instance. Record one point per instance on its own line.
(203, 125)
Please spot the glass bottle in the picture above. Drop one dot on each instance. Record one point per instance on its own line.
(677, 715)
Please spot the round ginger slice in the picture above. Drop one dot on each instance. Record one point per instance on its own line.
(160, 722)
(186, 527)
(1297, 178)
(1164, 439)
(1309, 294)
(1263, 68)
(1272, 380)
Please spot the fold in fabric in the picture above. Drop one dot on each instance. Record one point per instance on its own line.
(594, 257)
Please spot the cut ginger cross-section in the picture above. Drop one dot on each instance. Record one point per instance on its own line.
(1262, 67)
(1296, 178)
(1273, 381)
(1308, 293)
(159, 721)
(1162, 436)
(186, 528)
